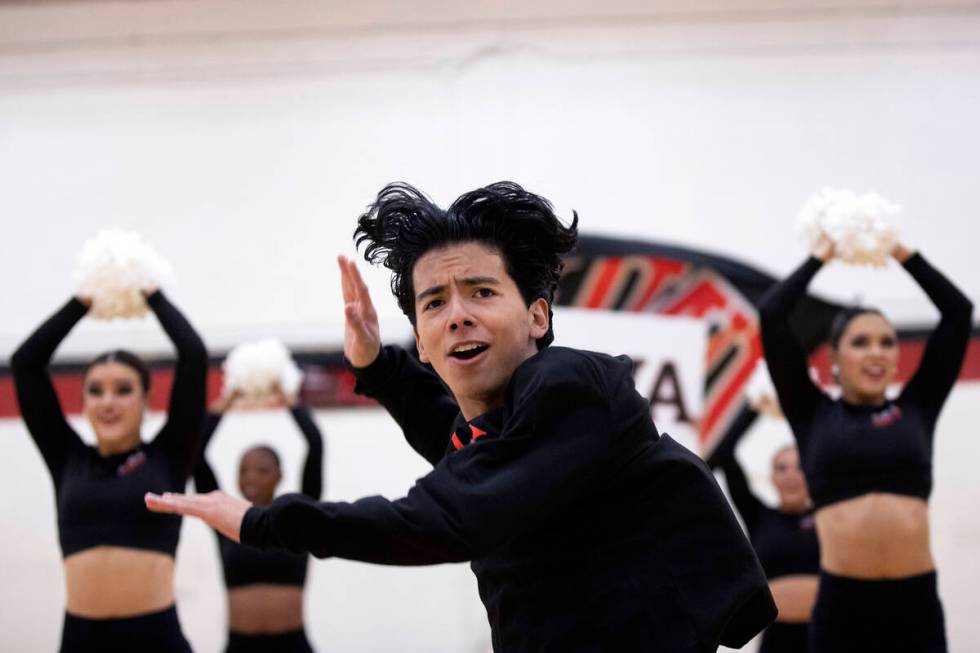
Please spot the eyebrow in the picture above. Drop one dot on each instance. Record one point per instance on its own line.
(468, 281)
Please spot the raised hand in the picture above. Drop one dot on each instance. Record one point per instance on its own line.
(225, 401)
(901, 253)
(823, 249)
(220, 511)
(362, 335)
(288, 400)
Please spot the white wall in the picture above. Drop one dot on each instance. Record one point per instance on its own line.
(243, 138)
(246, 153)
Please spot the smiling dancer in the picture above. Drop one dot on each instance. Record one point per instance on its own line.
(265, 589)
(587, 529)
(868, 461)
(118, 559)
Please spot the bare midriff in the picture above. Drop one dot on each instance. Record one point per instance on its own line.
(875, 536)
(265, 609)
(107, 582)
(794, 596)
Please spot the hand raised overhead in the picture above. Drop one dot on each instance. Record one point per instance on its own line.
(362, 335)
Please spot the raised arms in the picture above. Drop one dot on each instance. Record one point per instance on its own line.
(36, 395)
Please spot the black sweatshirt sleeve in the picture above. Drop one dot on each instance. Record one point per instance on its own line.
(785, 356)
(204, 478)
(36, 395)
(553, 447)
(946, 347)
(414, 396)
(185, 414)
(312, 485)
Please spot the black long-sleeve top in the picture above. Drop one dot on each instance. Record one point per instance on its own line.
(785, 542)
(100, 498)
(849, 450)
(245, 565)
(587, 530)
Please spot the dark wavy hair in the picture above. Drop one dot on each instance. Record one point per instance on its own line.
(843, 318)
(127, 358)
(403, 224)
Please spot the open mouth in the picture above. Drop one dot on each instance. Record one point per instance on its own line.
(468, 351)
(875, 372)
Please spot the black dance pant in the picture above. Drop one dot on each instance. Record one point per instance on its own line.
(856, 616)
(785, 638)
(156, 632)
(293, 641)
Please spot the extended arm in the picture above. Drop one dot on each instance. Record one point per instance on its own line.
(550, 452)
(185, 414)
(946, 347)
(553, 448)
(747, 504)
(36, 395)
(785, 356)
(414, 396)
(204, 478)
(411, 393)
(312, 484)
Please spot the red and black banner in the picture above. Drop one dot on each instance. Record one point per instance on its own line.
(645, 277)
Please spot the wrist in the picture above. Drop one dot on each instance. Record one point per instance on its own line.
(901, 253)
(363, 362)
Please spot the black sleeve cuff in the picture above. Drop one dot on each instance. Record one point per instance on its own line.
(156, 299)
(255, 527)
(76, 307)
(914, 261)
(812, 262)
(374, 376)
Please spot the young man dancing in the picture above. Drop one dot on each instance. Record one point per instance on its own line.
(587, 529)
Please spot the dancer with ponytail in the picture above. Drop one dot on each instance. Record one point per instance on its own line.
(868, 460)
(118, 559)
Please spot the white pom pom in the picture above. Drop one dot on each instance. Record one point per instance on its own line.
(253, 369)
(858, 224)
(760, 391)
(114, 268)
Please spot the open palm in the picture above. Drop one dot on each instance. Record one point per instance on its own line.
(362, 335)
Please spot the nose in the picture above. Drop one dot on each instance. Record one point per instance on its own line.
(459, 314)
(106, 399)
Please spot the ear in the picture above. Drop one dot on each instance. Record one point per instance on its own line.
(537, 314)
(418, 345)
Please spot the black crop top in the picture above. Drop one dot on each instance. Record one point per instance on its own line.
(849, 450)
(100, 498)
(785, 542)
(245, 565)
(587, 530)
